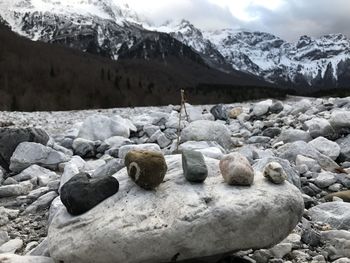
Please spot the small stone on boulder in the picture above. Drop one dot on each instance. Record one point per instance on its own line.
(236, 170)
(194, 167)
(275, 173)
(81, 193)
(146, 168)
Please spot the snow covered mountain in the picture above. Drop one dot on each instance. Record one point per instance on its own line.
(114, 30)
(319, 63)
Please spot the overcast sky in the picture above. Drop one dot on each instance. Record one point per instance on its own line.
(288, 19)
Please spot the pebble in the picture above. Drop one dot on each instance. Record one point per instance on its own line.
(275, 173)
(146, 168)
(194, 167)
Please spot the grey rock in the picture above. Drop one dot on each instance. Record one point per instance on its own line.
(15, 189)
(344, 144)
(161, 139)
(204, 130)
(110, 168)
(4, 237)
(42, 203)
(311, 164)
(11, 258)
(326, 147)
(272, 132)
(276, 107)
(35, 194)
(301, 106)
(73, 167)
(9, 181)
(100, 127)
(319, 127)
(194, 167)
(150, 129)
(325, 179)
(258, 139)
(340, 121)
(293, 135)
(290, 151)
(11, 246)
(281, 250)
(84, 147)
(29, 153)
(11, 138)
(219, 112)
(261, 108)
(32, 172)
(336, 214)
(41, 250)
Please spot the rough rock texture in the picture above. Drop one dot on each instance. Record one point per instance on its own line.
(11, 138)
(100, 127)
(81, 193)
(11, 258)
(204, 130)
(29, 153)
(178, 219)
(336, 214)
(146, 168)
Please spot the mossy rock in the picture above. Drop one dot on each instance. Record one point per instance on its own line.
(146, 168)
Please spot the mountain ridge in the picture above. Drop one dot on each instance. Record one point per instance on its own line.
(105, 28)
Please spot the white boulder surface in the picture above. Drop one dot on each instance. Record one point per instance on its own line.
(29, 153)
(177, 219)
(100, 127)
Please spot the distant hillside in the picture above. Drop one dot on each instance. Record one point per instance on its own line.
(41, 76)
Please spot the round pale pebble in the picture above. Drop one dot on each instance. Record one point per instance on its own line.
(275, 173)
(236, 170)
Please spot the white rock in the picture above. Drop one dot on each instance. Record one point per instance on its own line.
(147, 146)
(319, 127)
(11, 258)
(100, 127)
(117, 141)
(326, 147)
(336, 214)
(203, 130)
(312, 165)
(301, 106)
(73, 167)
(275, 173)
(22, 188)
(32, 172)
(325, 179)
(178, 219)
(209, 149)
(11, 246)
(42, 203)
(262, 107)
(29, 153)
(340, 119)
(281, 250)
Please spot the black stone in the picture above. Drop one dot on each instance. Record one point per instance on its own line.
(11, 137)
(81, 193)
(194, 167)
(219, 112)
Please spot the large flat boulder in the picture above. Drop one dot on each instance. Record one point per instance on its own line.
(177, 220)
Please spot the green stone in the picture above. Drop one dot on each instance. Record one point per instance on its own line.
(194, 167)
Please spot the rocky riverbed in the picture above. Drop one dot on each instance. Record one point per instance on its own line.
(305, 219)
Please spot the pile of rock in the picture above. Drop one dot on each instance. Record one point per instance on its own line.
(125, 186)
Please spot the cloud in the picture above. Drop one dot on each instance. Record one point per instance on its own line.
(299, 17)
(288, 19)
